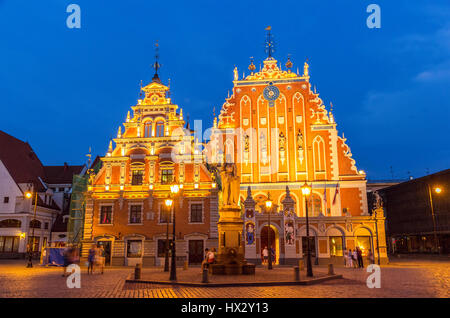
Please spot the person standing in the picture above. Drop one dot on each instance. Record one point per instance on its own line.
(101, 252)
(350, 258)
(359, 257)
(272, 254)
(355, 258)
(205, 260)
(265, 254)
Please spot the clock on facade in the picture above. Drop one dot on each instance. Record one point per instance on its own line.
(271, 93)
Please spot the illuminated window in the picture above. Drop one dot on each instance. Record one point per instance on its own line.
(336, 246)
(364, 244)
(166, 176)
(137, 177)
(319, 154)
(9, 244)
(106, 215)
(134, 248)
(315, 205)
(159, 129)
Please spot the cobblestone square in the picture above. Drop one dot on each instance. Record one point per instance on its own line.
(406, 278)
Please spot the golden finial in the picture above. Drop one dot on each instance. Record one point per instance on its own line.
(289, 63)
(215, 122)
(128, 116)
(181, 113)
(252, 66)
(110, 146)
(306, 69)
(119, 132)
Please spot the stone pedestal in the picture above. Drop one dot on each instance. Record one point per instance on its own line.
(230, 255)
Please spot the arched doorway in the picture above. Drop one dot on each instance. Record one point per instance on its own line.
(274, 241)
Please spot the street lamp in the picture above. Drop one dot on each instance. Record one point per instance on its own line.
(306, 191)
(168, 203)
(28, 195)
(269, 245)
(438, 190)
(173, 268)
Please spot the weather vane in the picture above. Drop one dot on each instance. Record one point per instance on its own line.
(269, 42)
(156, 65)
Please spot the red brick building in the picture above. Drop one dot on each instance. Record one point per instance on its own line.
(125, 208)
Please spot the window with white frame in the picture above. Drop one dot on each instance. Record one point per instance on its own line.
(135, 214)
(106, 214)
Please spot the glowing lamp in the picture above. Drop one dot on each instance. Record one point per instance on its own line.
(150, 187)
(168, 202)
(306, 189)
(22, 235)
(437, 190)
(268, 201)
(196, 185)
(174, 188)
(107, 188)
(214, 185)
(28, 194)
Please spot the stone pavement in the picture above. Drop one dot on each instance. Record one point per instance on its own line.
(400, 279)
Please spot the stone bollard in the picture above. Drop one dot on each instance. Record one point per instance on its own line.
(137, 271)
(330, 269)
(296, 274)
(301, 264)
(186, 265)
(205, 276)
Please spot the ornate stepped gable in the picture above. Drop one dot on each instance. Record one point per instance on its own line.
(153, 138)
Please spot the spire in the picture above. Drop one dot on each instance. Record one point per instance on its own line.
(269, 43)
(128, 117)
(119, 132)
(156, 65)
(110, 146)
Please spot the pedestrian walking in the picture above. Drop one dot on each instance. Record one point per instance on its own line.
(101, 258)
(211, 257)
(205, 259)
(359, 257)
(91, 258)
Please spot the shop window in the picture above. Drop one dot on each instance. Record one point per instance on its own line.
(135, 214)
(9, 244)
(196, 213)
(336, 246)
(106, 214)
(33, 242)
(134, 248)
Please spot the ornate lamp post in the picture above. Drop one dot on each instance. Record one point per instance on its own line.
(28, 195)
(168, 203)
(306, 191)
(174, 189)
(438, 190)
(269, 245)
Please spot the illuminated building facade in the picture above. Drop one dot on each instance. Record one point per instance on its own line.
(125, 201)
(277, 130)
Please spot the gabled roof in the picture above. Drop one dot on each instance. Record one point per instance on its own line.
(19, 158)
(61, 174)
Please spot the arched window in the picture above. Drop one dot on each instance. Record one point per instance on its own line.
(36, 224)
(315, 204)
(148, 129)
(10, 223)
(160, 129)
(319, 154)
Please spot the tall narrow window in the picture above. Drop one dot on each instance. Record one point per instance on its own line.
(196, 213)
(319, 154)
(106, 215)
(166, 176)
(316, 205)
(135, 214)
(159, 129)
(148, 129)
(137, 177)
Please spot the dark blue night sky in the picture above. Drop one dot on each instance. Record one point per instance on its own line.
(64, 90)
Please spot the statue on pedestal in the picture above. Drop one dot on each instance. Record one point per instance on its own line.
(230, 185)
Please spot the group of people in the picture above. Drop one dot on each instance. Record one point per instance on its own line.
(96, 257)
(265, 255)
(354, 259)
(210, 258)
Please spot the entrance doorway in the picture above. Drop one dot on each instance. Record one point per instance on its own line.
(107, 246)
(273, 241)
(195, 251)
